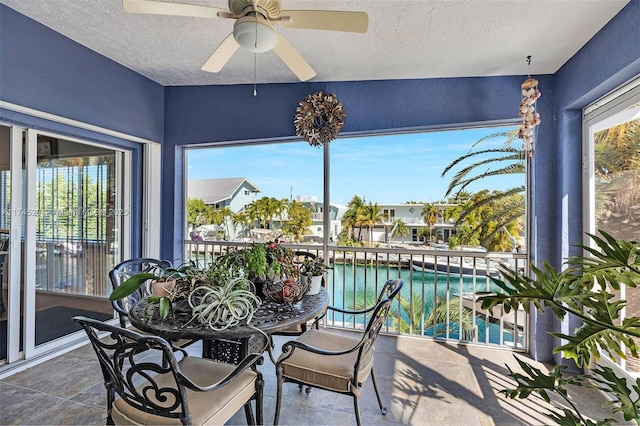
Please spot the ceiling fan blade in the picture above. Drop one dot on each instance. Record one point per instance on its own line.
(332, 20)
(292, 58)
(173, 9)
(221, 55)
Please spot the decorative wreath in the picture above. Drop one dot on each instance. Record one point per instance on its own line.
(319, 118)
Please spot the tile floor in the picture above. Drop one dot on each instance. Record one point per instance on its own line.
(422, 383)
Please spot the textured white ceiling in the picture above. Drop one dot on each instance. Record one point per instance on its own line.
(406, 39)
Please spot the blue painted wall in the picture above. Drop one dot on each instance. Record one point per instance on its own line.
(43, 70)
(611, 58)
(196, 115)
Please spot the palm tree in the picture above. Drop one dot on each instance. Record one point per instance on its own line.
(423, 234)
(443, 312)
(274, 208)
(617, 179)
(281, 207)
(372, 215)
(506, 208)
(490, 214)
(253, 214)
(410, 317)
(225, 213)
(243, 220)
(265, 209)
(350, 219)
(399, 228)
(431, 213)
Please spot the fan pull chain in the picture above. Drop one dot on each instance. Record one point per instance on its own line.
(255, 77)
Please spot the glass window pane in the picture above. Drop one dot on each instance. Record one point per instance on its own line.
(76, 232)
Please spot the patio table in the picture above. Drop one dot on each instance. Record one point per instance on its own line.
(234, 343)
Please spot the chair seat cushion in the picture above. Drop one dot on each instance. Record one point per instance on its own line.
(296, 329)
(178, 343)
(213, 407)
(334, 372)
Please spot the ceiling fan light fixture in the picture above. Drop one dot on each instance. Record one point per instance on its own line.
(255, 34)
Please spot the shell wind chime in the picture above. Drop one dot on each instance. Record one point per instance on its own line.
(530, 118)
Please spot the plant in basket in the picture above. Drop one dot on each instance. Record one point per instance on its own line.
(287, 291)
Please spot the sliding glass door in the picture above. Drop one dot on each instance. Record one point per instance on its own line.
(65, 222)
(612, 181)
(79, 218)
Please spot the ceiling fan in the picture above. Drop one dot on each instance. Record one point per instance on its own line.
(254, 28)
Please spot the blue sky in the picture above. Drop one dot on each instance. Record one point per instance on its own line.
(390, 169)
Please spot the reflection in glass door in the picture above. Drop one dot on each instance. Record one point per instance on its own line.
(614, 182)
(5, 224)
(65, 222)
(79, 216)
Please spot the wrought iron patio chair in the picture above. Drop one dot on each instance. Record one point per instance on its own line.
(336, 362)
(123, 271)
(298, 329)
(142, 389)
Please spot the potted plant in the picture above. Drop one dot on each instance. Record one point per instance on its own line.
(261, 262)
(166, 286)
(279, 261)
(225, 303)
(312, 270)
(587, 289)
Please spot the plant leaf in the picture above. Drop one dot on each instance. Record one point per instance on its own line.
(131, 285)
(625, 400)
(615, 261)
(165, 307)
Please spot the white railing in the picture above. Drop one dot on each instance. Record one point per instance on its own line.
(439, 285)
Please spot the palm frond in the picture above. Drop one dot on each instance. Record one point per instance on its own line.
(495, 198)
(460, 178)
(510, 154)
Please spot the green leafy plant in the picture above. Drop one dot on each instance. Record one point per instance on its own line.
(264, 261)
(312, 266)
(224, 304)
(585, 289)
(255, 257)
(182, 277)
(280, 260)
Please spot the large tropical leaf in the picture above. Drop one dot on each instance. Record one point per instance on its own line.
(533, 380)
(600, 331)
(614, 261)
(568, 292)
(624, 400)
(555, 290)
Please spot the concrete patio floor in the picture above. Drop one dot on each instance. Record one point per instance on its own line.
(422, 383)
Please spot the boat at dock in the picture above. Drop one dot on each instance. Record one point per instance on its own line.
(453, 266)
